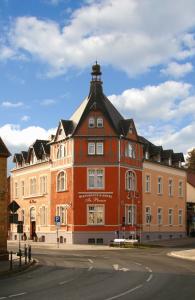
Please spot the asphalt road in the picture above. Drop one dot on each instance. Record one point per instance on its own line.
(103, 275)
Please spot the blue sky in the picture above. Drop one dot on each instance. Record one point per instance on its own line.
(146, 50)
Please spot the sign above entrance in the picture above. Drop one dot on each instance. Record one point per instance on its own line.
(96, 195)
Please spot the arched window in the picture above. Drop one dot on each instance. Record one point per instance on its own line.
(61, 181)
(130, 181)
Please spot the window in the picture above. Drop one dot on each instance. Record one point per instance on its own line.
(160, 185)
(147, 183)
(170, 188)
(33, 186)
(95, 178)
(159, 216)
(146, 155)
(43, 184)
(43, 216)
(16, 190)
(148, 215)
(91, 148)
(61, 211)
(96, 148)
(130, 181)
(131, 214)
(95, 214)
(180, 217)
(170, 216)
(60, 152)
(99, 148)
(100, 123)
(91, 123)
(130, 150)
(22, 187)
(180, 188)
(61, 182)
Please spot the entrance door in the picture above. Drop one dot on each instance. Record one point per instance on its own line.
(32, 230)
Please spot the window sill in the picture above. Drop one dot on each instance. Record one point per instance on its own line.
(61, 191)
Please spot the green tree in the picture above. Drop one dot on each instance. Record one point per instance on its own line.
(190, 161)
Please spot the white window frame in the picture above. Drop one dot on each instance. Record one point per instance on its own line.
(147, 183)
(60, 151)
(95, 179)
(131, 214)
(160, 185)
(16, 189)
(148, 215)
(59, 187)
(94, 213)
(91, 148)
(61, 210)
(130, 180)
(100, 122)
(159, 214)
(22, 188)
(91, 122)
(180, 188)
(180, 217)
(170, 187)
(33, 186)
(43, 184)
(43, 215)
(170, 216)
(101, 145)
(130, 150)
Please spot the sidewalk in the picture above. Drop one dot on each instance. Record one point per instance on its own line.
(5, 266)
(185, 254)
(59, 246)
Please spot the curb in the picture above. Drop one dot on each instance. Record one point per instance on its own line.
(176, 255)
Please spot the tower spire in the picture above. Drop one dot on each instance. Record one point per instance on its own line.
(96, 72)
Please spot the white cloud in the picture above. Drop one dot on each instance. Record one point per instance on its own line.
(9, 104)
(25, 118)
(132, 35)
(162, 102)
(177, 70)
(47, 102)
(6, 53)
(15, 136)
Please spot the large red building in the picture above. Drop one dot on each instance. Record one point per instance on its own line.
(89, 174)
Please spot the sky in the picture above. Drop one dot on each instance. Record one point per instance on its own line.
(146, 49)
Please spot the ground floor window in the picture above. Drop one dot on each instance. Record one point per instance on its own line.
(43, 216)
(95, 214)
(61, 211)
(131, 214)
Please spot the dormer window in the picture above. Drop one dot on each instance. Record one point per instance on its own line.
(130, 129)
(100, 123)
(91, 123)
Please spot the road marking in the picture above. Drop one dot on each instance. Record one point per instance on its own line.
(149, 278)
(125, 293)
(116, 267)
(138, 264)
(90, 268)
(16, 295)
(3, 297)
(90, 260)
(66, 281)
(149, 270)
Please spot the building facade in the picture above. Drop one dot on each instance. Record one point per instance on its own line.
(191, 203)
(89, 174)
(4, 154)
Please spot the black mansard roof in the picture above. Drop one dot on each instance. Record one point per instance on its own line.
(154, 150)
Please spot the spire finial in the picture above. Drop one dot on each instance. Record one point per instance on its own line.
(96, 72)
